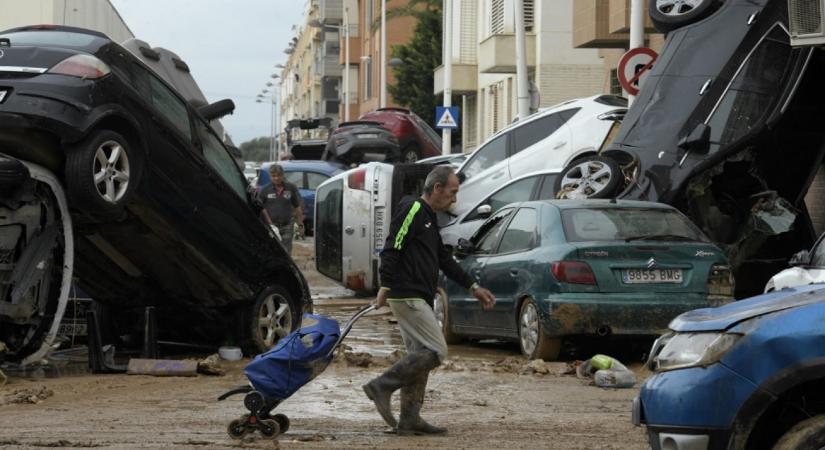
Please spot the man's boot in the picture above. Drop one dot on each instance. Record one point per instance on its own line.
(412, 398)
(402, 373)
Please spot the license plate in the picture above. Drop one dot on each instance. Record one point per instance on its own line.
(634, 276)
(3, 95)
(367, 136)
(72, 329)
(378, 242)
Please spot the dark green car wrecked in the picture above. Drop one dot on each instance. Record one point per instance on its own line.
(576, 268)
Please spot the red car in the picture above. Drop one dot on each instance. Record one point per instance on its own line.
(416, 139)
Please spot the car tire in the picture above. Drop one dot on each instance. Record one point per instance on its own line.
(806, 435)
(273, 315)
(590, 177)
(533, 341)
(410, 154)
(668, 15)
(101, 173)
(442, 316)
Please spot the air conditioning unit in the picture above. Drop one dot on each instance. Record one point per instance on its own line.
(806, 22)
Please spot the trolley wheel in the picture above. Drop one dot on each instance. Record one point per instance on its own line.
(237, 429)
(269, 428)
(254, 401)
(283, 422)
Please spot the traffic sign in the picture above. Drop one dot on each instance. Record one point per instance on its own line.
(634, 66)
(446, 117)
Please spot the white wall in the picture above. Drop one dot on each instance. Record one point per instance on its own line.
(98, 15)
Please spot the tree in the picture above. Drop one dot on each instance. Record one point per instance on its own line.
(256, 149)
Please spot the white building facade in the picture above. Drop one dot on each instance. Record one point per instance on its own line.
(98, 15)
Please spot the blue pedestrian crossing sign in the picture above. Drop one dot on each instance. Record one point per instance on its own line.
(446, 117)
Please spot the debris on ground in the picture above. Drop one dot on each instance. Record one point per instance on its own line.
(313, 438)
(3, 379)
(27, 395)
(163, 367)
(607, 372)
(452, 365)
(511, 364)
(364, 359)
(538, 367)
(211, 365)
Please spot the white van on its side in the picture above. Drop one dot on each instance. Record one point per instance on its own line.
(353, 211)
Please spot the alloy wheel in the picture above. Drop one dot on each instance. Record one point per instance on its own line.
(586, 179)
(529, 328)
(274, 319)
(111, 171)
(677, 8)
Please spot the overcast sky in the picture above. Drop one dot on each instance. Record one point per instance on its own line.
(231, 47)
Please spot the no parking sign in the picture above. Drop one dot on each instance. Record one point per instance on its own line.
(634, 66)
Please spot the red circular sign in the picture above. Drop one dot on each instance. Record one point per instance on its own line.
(634, 66)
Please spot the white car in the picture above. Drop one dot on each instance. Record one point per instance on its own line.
(548, 139)
(806, 268)
(534, 186)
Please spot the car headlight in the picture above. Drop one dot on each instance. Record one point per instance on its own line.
(683, 350)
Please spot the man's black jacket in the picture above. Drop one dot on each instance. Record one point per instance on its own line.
(414, 252)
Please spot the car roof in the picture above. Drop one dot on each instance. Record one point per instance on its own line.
(601, 204)
(324, 166)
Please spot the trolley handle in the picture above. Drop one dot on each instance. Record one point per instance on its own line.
(348, 326)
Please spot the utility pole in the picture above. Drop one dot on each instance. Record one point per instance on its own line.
(446, 133)
(637, 29)
(522, 86)
(382, 101)
(346, 64)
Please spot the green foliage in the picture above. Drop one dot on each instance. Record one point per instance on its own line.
(256, 149)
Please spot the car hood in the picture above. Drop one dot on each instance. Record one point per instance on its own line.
(723, 317)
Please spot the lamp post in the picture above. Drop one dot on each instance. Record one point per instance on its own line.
(274, 148)
(315, 23)
(382, 101)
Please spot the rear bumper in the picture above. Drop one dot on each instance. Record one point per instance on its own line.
(368, 150)
(624, 314)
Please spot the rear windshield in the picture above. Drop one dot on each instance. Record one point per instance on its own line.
(329, 229)
(628, 224)
(49, 38)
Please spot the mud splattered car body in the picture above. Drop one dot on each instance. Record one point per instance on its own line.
(158, 211)
(727, 128)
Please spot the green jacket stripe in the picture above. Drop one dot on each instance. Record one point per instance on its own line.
(405, 227)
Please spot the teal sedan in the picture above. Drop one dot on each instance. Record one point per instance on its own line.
(573, 268)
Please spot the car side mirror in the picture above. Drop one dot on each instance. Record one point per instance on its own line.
(484, 211)
(217, 110)
(464, 247)
(698, 140)
(802, 258)
(461, 177)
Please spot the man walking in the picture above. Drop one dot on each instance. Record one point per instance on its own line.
(282, 205)
(410, 261)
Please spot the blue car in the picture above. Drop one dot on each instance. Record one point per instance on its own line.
(307, 175)
(747, 375)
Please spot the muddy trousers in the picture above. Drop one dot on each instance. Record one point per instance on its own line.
(425, 349)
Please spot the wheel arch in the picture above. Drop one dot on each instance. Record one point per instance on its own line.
(120, 124)
(764, 416)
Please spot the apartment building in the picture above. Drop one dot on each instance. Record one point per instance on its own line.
(97, 15)
(484, 64)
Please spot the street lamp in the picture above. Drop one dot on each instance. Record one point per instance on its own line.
(273, 148)
(382, 101)
(315, 23)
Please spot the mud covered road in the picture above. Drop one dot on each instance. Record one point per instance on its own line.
(487, 396)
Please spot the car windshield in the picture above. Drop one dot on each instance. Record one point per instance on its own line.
(628, 224)
(47, 37)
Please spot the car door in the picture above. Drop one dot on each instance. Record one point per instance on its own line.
(518, 191)
(464, 308)
(313, 180)
(543, 143)
(507, 272)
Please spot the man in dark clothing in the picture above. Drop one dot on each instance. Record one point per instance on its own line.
(282, 205)
(410, 261)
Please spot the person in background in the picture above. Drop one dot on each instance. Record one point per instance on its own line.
(282, 205)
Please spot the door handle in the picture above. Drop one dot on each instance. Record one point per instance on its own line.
(559, 145)
(514, 272)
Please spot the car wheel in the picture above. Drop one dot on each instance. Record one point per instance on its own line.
(806, 435)
(101, 173)
(668, 15)
(442, 316)
(591, 177)
(532, 339)
(272, 317)
(410, 154)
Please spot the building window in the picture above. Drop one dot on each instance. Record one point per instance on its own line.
(497, 16)
(615, 86)
(470, 125)
(529, 15)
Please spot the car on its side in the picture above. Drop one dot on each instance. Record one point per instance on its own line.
(112, 178)
(563, 269)
(747, 375)
(535, 186)
(361, 141)
(307, 176)
(807, 267)
(575, 130)
(727, 128)
(416, 139)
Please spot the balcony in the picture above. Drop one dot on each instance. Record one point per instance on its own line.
(354, 50)
(465, 79)
(619, 18)
(497, 53)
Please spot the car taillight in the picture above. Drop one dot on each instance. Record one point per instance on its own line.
(575, 272)
(720, 280)
(82, 66)
(356, 180)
